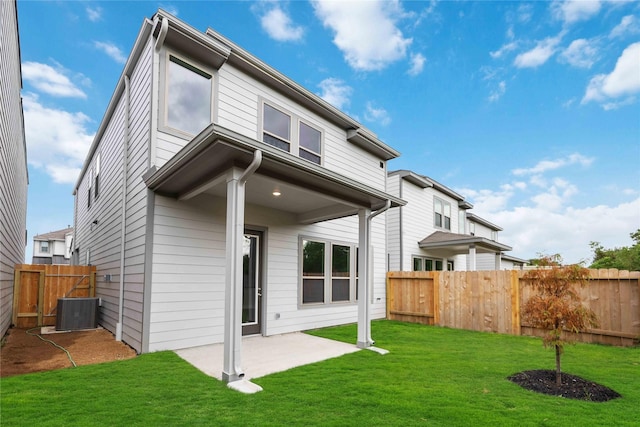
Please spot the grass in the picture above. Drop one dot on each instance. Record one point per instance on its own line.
(433, 376)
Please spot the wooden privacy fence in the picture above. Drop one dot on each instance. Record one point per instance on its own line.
(37, 287)
(490, 301)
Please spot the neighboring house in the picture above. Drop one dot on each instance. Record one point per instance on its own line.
(13, 161)
(53, 247)
(433, 230)
(480, 227)
(248, 204)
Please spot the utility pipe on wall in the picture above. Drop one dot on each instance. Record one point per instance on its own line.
(123, 220)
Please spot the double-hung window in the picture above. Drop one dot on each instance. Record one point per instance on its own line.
(442, 213)
(422, 264)
(44, 247)
(289, 133)
(188, 97)
(328, 272)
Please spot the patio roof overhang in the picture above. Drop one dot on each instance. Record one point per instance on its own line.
(309, 191)
(446, 245)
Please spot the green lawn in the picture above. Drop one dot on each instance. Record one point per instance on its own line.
(433, 376)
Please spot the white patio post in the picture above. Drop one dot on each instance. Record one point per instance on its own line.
(364, 316)
(472, 257)
(232, 370)
(498, 261)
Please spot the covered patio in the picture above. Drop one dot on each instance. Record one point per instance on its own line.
(447, 245)
(225, 164)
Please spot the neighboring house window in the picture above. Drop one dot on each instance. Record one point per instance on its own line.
(96, 189)
(442, 214)
(422, 264)
(328, 277)
(462, 218)
(44, 247)
(472, 228)
(290, 134)
(89, 186)
(188, 98)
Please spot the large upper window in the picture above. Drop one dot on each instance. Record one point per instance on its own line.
(44, 247)
(287, 132)
(89, 187)
(442, 213)
(188, 99)
(328, 277)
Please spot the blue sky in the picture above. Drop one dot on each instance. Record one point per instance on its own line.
(531, 110)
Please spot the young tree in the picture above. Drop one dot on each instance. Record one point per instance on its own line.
(556, 305)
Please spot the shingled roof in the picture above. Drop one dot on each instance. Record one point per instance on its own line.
(54, 235)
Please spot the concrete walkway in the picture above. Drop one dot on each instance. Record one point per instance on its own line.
(266, 355)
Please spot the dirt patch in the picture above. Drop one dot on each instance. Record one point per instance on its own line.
(573, 387)
(24, 353)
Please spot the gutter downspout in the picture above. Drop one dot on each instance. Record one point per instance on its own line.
(123, 221)
(364, 294)
(232, 370)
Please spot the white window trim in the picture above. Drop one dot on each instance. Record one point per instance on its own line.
(328, 276)
(444, 203)
(294, 130)
(164, 90)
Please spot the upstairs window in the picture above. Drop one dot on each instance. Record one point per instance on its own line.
(276, 128)
(96, 185)
(288, 133)
(310, 143)
(89, 186)
(188, 98)
(442, 214)
(44, 247)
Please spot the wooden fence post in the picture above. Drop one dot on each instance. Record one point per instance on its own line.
(436, 298)
(16, 294)
(41, 280)
(515, 303)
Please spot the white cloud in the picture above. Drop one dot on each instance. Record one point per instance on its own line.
(581, 53)
(571, 11)
(504, 49)
(566, 230)
(498, 92)
(525, 12)
(547, 165)
(628, 25)
(49, 80)
(365, 31)
(111, 50)
(623, 81)
(537, 56)
(417, 64)
(279, 25)
(335, 91)
(378, 115)
(94, 13)
(57, 140)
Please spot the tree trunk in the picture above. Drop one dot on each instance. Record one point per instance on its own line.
(558, 374)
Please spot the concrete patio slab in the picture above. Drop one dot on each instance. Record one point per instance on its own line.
(266, 355)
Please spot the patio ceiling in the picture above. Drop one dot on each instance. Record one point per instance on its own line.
(307, 190)
(445, 244)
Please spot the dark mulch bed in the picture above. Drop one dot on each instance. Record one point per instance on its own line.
(573, 387)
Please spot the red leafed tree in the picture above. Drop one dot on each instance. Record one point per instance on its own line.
(556, 305)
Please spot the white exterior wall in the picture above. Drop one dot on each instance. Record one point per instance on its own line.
(103, 240)
(239, 108)
(13, 166)
(187, 304)
(483, 261)
(418, 223)
(393, 226)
